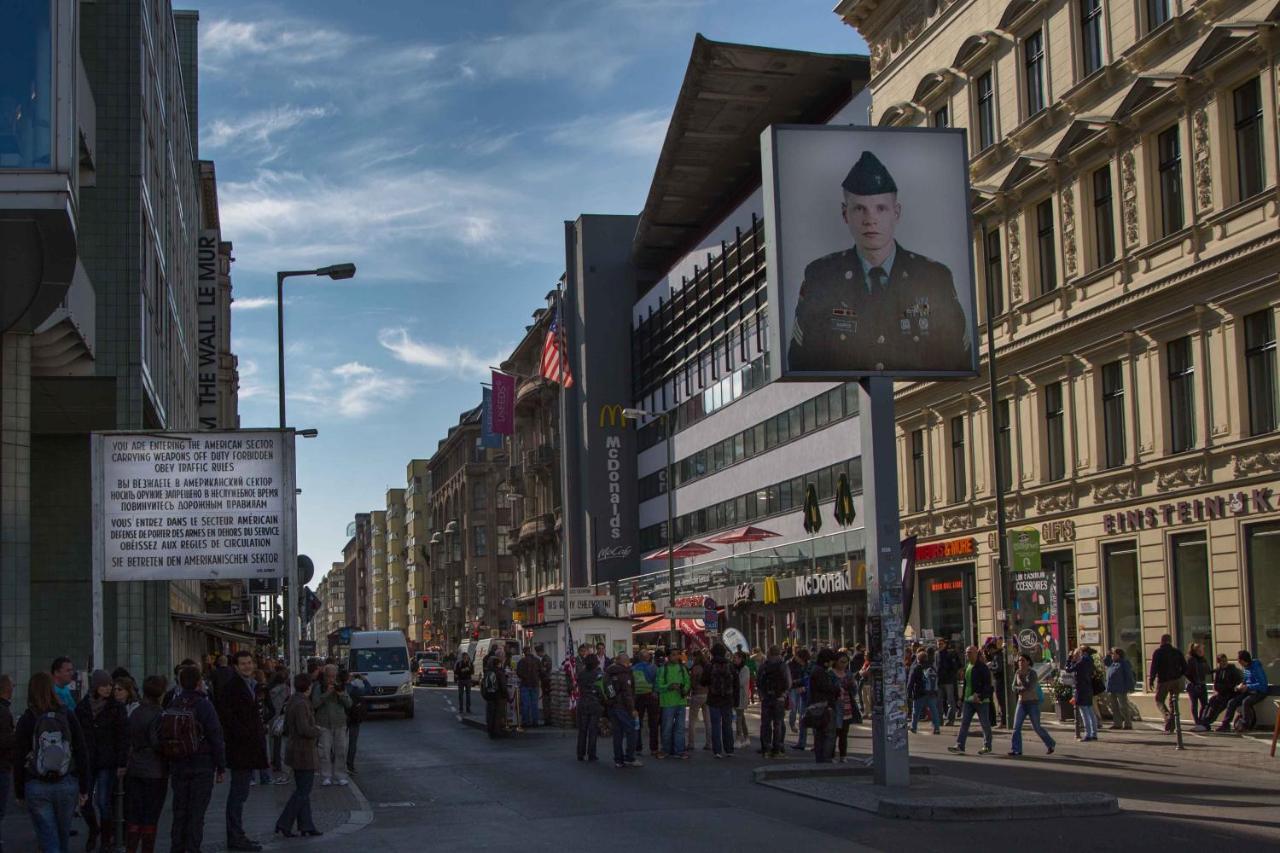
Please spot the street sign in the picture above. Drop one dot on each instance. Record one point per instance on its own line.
(685, 613)
(1024, 550)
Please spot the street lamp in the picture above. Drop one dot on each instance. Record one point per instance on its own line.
(336, 271)
(637, 415)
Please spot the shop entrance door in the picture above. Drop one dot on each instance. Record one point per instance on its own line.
(1063, 564)
(948, 603)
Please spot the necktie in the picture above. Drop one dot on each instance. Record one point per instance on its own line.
(878, 276)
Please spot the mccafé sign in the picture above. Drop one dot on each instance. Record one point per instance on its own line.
(1190, 511)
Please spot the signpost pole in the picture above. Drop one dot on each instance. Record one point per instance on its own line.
(98, 551)
(290, 495)
(889, 753)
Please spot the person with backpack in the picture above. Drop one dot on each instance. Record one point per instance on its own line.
(645, 676)
(303, 758)
(673, 693)
(51, 771)
(774, 683)
(922, 693)
(722, 695)
(529, 672)
(620, 700)
(462, 674)
(1029, 695)
(797, 665)
(358, 687)
(1197, 679)
(241, 722)
(493, 690)
(7, 747)
(994, 653)
(191, 739)
(590, 707)
(847, 705)
(103, 721)
(146, 778)
(1085, 670)
(1251, 690)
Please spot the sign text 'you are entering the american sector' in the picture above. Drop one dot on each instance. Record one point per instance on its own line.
(193, 506)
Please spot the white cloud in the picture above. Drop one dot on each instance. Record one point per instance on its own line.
(638, 133)
(252, 303)
(250, 385)
(351, 390)
(461, 360)
(227, 45)
(255, 129)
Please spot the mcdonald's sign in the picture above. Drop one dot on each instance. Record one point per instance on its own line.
(770, 590)
(612, 415)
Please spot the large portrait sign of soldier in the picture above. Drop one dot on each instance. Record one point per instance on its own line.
(869, 252)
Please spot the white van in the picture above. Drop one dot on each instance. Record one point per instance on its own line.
(383, 658)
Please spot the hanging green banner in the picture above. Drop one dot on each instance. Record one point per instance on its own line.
(1024, 550)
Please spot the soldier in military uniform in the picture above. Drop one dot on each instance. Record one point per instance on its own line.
(877, 306)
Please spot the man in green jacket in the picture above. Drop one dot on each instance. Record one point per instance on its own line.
(673, 697)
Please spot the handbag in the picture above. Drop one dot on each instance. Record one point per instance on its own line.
(816, 713)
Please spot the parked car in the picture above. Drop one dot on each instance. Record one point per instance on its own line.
(432, 672)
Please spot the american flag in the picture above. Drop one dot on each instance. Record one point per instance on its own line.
(555, 361)
(569, 667)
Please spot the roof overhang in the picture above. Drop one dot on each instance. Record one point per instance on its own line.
(710, 158)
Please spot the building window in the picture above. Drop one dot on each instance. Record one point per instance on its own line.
(959, 487)
(1193, 614)
(942, 117)
(917, 471)
(1033, 65)
(26, 86)
(1090, 35)
(1260, 367)
(1249, 168)
(995, 286)
(1004, 446)
(1262, 559)
(1124, 618)
(1169, 151)
(1104, 226)
(478, 502)
(1045, 247)
(1113, 413)
(986, 112)
(1182, 396)
(1157, 13)
(1055, 431)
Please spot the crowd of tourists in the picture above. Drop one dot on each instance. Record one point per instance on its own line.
(113, 756)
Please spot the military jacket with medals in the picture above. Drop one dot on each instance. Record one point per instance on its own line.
(911, 322)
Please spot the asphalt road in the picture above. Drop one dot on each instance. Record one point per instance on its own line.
(432, 782)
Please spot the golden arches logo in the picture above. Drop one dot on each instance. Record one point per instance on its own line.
(613, 413)
(770, 590)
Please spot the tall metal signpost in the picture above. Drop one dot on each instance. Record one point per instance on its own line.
(870, 272)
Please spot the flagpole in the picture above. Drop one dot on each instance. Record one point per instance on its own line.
(563, 341)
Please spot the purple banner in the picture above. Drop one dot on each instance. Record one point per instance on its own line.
(504, 403)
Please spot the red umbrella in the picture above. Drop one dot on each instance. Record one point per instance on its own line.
(744, 534)
(688, 549)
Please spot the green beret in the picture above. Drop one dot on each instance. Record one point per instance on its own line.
(869, 177)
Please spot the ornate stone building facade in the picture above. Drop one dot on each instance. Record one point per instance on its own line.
(1123, 162)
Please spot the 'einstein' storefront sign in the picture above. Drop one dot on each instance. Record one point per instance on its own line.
(1190, 511)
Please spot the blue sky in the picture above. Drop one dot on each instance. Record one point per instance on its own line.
(439, 146)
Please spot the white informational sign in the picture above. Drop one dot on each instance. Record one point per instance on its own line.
(193, 506)
(581, 604)
(684, 612)
(869, 241)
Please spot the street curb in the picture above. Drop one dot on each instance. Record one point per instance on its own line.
(1092, 803)
(809, 771)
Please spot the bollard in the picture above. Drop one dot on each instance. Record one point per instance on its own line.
(1177, 723)
(117, 818)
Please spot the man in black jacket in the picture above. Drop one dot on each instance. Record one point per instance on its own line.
(948, 666)
(976, 699)
(246, 744)
(193, 776)
(1168, 666)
